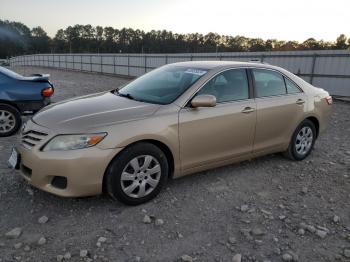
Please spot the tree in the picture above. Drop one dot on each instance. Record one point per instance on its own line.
(16, 39)
(341, 42)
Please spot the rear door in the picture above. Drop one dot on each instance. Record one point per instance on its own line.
(280, 108)
(214, 134)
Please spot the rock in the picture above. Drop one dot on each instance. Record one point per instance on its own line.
(336, 219)
(17, 245)
(244, 208)
(287, 257)
(304, 189)
(101, 239)
(137, 259)
(187, 258)
(321, 233)
(84, 253)
(310, 228)
(159, 222)
(30, 191)
(42, 241)
(347, 253)
(237, 258)
(266, 212)
(301, 231)
(257, 232)
(43, 220)
(147, 219)
(14, 233)
(67, 256)
(27, 248)
(59, 258)
(232, 240)
(282, 217)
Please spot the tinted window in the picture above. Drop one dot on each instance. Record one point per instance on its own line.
(291, 87)
(162, 85)
(228, 86)
(268, 83)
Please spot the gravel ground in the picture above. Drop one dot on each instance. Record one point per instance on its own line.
(267, 209)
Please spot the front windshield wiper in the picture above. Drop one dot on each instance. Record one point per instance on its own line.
(124, 95)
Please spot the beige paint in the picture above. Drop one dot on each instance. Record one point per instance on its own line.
(198, 138)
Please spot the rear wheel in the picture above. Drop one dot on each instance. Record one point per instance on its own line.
(302, 142)
(10, 120)
(137, 174)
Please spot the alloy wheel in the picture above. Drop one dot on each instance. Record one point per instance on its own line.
(140, 176)
(7, 121)
(304, 139)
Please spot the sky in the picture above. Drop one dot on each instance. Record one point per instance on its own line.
(267, 19)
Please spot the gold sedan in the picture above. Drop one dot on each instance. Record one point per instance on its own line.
(179, 119)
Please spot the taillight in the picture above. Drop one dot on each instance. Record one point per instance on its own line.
(329, 100)
(47, 92)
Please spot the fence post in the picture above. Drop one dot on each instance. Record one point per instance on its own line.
(81, 62)
(145, 64)
(90, 63)
(166, 59)
(66, 62)
(128, 65)
(313, 68)
(101, 60)
(262, 58)
(114, 57)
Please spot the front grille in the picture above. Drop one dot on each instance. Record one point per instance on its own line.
(31, 138)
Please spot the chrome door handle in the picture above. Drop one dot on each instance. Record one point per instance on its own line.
(248, 110)
(300, 102)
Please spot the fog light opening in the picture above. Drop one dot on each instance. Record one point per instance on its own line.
(59, 182)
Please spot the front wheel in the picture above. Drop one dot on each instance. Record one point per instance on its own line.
(10, 120)
(137, 174)
(302, 142)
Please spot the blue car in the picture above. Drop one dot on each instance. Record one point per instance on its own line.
(20, 95)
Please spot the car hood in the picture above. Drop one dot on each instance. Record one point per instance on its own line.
(90, 112)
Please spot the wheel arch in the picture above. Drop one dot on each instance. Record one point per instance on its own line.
(316, 123)
(161, 145)
(9, 103)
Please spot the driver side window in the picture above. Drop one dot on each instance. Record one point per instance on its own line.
(227, 86)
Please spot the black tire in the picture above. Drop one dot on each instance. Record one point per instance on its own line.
(292, 152)
(17, 119)
(113, 184)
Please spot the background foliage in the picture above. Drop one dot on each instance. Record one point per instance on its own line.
(17, 39)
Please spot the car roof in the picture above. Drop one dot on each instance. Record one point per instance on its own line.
(208, 65)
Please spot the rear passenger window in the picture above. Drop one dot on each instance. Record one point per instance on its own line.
(228, 86)
(268, 83)
(291, 87)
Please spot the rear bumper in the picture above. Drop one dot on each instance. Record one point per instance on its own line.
(31, 107)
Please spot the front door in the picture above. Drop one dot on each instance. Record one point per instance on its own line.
(223, 132)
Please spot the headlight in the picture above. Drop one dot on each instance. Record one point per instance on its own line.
(72, 142)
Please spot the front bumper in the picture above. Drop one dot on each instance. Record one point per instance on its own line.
(82, 169)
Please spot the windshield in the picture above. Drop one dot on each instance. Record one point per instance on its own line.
(162, 85)
(9, 73)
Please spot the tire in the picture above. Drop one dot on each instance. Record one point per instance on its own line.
(302, 141)
(124, 182)
(10, 120)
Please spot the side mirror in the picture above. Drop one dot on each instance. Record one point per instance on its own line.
(203, 101)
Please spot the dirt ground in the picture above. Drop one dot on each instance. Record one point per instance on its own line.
(267, 209)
